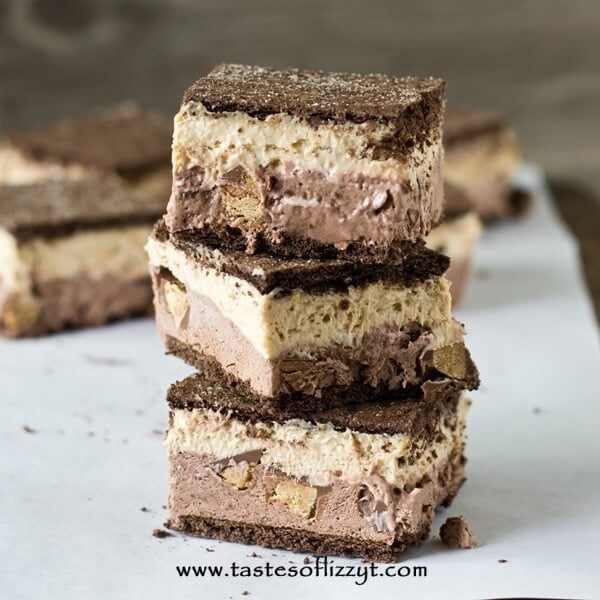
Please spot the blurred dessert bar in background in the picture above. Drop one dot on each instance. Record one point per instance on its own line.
(482, 153)
(72, 254)
(456, 237)
(78, 199)
(305, 162)
(124, 141)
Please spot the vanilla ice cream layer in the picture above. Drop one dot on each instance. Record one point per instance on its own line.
(16, 168)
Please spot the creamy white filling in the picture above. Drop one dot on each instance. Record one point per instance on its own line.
(314, 452)
(221, 142)
(455, 237)
(274, 324)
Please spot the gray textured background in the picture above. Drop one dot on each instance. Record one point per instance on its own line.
(538, 61)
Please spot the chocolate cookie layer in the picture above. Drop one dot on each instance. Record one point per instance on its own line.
(416, 415)
(303, 162)
(59, 208)
(320, 95)
(351, 477)
(409, 264)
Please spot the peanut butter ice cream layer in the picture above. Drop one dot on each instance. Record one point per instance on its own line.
(314, 332)
(363, 481)
(307, 162)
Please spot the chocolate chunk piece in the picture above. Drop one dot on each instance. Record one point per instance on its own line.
(455, 533)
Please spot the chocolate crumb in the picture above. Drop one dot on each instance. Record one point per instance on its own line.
(245, 593)
(306, 560)
(28, 429)
(161, 533)
(164, 506)
(106, 360)
(145, 509)
(455, 533)
(210, 549)
(254, 555)
(502, 560)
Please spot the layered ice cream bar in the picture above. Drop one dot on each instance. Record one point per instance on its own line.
(314, 332)
(361, 481)
(72, 254)
(482, 154)
(456, 237)
(307, 162)
(123, 141)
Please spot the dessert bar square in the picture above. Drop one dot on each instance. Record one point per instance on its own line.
(456, 237)
(481, 155)
(307, 162)
(72, 254)
(361, 481)
(125, 141)
(309, 331)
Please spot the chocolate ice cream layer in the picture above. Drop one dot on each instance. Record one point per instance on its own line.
(380, 335)
(305, 162)
(482, 154)
(363, 484)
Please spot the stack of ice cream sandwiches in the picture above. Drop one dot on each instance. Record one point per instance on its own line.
(290, 269)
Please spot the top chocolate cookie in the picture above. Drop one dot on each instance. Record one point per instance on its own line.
(301, 162)
(320, 95)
